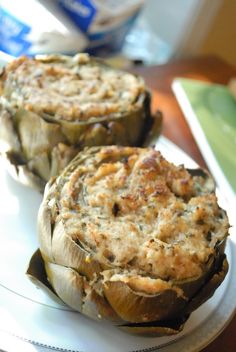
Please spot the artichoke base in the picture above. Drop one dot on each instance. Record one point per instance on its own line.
(37, 274)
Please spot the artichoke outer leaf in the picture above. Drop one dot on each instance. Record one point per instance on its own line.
(137, 121)
(61, 155)
(192, 285)
(67, 252)
(95, 134)
(214, 274)
(36, 135)
(40, 165)
(72, 130)
(156, 328)
(9, 140)
(220, 248)
(133, 125)
(208, 289)
(151, 331)
(96, 307)
(154, 130)
(37, 274)
(199, 172)
(67, 283)
(21, 172)
(44, 229)
(117, 132)
(209, 181)
(138, 307)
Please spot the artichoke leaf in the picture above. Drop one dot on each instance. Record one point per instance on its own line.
(209, 182)
(117, 133)
(192, 285)
(154, 131)
(96, 307)
(67, 283)
(40, 166)
(138, 307)
(37, 274)
(72, 130)
(208, 289)
(91, 132)
(20, 172)
(9, 140)
(36, 134)
(156, 328)
(61, 155)
(44, 228)
(133, 124)
(69, 253)
(199, 172)
(220, 246)
(95, 134)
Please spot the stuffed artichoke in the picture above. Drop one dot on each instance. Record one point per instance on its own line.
(128, 237)
(53, 106)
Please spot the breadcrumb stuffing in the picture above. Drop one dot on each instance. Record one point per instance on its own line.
(143, 214)
(76, 89)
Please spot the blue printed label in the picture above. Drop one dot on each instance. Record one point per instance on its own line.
(81, 12)
(12, 33)
(103, 43)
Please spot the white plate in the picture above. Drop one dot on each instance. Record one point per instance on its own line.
(30, 320)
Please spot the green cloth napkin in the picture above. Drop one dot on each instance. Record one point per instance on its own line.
(213, 109)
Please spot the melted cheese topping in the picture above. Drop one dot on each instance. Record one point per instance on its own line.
(139, 212)
(74, 89)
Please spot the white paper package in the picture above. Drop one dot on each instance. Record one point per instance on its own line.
(33, 27)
